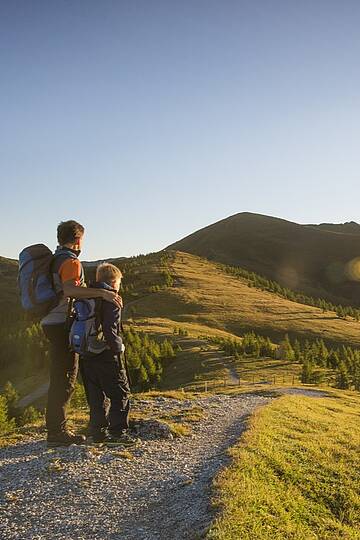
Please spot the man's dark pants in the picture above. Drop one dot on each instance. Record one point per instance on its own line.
(107, 390)
(63, 374)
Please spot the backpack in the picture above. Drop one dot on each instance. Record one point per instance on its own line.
(86, 335)
(37, 291)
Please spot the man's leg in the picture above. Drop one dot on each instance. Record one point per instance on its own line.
(63, 373)
(115, 383)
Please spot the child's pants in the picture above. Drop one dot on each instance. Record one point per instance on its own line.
(107, 391)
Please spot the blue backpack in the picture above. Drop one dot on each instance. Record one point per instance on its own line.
(38, 291)
(86, 335)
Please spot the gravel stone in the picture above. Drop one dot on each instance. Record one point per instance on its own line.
(161, 491)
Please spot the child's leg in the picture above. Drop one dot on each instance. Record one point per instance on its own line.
(98, 403)
(115, 383)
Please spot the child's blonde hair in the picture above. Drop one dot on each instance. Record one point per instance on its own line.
(108, 273)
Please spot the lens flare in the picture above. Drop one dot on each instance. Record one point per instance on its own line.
(288, 276)
(353, 269)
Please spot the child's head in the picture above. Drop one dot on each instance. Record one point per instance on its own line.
(109, 274)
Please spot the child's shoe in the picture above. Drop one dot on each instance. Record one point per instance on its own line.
(121, 439)
(98, 438)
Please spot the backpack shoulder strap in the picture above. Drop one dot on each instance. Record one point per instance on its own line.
(98, 312)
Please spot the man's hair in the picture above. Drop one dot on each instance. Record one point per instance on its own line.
(69, 231)
(108, 273)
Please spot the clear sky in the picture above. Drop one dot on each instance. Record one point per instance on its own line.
(146, 120)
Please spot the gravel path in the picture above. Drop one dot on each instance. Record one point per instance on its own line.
(161, 491)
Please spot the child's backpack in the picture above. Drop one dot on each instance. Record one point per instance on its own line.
(37, 291)
(86, 335)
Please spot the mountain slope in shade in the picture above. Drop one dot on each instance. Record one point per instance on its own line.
(315, 259)
(9, 295)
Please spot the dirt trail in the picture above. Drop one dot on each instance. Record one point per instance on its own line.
(160, 491)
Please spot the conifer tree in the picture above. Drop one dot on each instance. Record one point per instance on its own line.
(307, 372)
(343, 379)
(6, 425)
(297, 351)
(148, 364)
(11, 395)
(333, 360)
(143, 378)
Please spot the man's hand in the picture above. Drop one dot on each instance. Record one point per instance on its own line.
(111, 296)
(73, 291)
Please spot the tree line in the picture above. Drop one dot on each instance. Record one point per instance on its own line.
(146, 358)
(145, 274)
(26, 350)
(315, 356)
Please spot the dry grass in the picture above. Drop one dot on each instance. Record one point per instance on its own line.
(295, 473)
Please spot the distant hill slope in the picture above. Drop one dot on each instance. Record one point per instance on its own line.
(206, 298)
(351, 227)
(309, 258)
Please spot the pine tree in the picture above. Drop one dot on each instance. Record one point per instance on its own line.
(343, 379)
(11, 395)
(307, 372)
(322, 354)
(356, 378)
(149, 365)
(142, 378)
(6, 425)
(333, 360)
(287, 351)
(297, 351)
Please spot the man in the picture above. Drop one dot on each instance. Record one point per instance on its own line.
(69, 282)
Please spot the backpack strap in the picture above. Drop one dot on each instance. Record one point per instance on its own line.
(98, 313)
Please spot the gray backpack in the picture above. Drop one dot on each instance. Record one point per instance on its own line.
(86, 335)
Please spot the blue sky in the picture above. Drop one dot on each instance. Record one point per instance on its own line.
(146, 121)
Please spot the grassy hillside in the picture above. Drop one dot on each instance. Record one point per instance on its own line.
(205, 296)
(166, 291)
(295, 474)
(312, 259)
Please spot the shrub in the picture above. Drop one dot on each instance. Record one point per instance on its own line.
(29, 416)
(6, 425)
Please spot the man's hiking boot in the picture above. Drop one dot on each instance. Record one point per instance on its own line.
(122, 439)
(64, 438)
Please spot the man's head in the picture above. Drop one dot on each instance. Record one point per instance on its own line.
(110, 274)
(70, 234)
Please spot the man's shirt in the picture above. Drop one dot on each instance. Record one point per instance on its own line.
(65, 269)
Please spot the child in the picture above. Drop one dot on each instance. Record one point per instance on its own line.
(104, 375)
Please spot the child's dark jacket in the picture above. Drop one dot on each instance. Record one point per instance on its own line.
(110, 316)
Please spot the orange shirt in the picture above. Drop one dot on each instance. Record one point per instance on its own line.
(71, 270)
